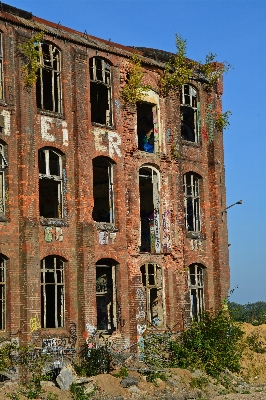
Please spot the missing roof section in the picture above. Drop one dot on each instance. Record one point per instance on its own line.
(15, 11)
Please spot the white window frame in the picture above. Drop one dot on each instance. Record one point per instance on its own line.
(57, 286)
(106, 81)
(57, 178)
(192, 196)
(158, 284)
(1, 68)
(196, 290)
(3, 166)
(54, 58)
(3, 293)
(190, 100)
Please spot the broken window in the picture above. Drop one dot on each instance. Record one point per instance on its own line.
(2, 293)
(191, 185)
(50, 183)
(103, 194)
(106, 296)
(149, 189)
(152, 280)
(100, 91)
(196, 289)
(1, 68)
(52, 292)
(3, 167)
(48, 84)
(189, 107)
(147, 127)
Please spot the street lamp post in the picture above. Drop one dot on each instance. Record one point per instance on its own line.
(225, 210)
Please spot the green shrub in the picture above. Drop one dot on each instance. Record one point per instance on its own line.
(94, 361)
(123, 373)
(199, 382)
(78, 392)
(255, 343)
(211, 344)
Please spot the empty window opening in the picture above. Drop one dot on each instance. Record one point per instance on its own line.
(103, 210)
(50, 184)
(196, 289)
(48, 84)
(152, 280)
(189, 114)
(106, 296)
(149, 210)
(191, 184)
(3, 167)
(1, 68)
(100, 91)
(2, 293)
(147, 127)
(52, 292)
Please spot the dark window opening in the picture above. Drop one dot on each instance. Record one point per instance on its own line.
(103, 210)
(196, 288)
(1, 69)
(152, 281)
(149, 210)
(3, 167)
(52, 292)
(48, 84)
(2, 293)
(147, 127)
(191, 184)
(106, 297)
(50, 184)
(189, 108)
(100, 91)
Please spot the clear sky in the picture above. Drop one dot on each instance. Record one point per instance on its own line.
(235, 31)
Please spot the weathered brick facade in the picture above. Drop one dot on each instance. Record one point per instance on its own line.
(125, 240)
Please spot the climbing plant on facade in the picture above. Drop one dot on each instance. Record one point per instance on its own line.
(222, 120)
(31, 58)
(134, 90)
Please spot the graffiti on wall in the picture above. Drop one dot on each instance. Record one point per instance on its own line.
(107, 141)
(53, 233)
(35, 323)
(6, 115)
(58, 126)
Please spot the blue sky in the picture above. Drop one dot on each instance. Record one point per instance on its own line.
(235, 31)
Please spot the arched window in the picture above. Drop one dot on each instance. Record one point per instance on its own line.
(3, 167)
(103, 193)
(149, 189)
(191, 185)
(106, 295)
(50, 183)
(2, 293)
(48, 84)
(101, 91)
(196, 289)
(152, 280)
(52, 292)
(147, 127)
(189, 107)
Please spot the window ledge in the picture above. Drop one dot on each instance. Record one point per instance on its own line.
(105, 226)
(53, 221)
(189, 143)
(48, 333)
(50, 113)
(195, 235)
(112, 128)
(4, 218)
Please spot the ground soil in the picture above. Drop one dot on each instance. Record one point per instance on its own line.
(252, 377)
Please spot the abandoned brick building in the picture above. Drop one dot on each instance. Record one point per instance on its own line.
(110, 213)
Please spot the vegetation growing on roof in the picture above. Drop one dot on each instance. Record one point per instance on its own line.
(134, 90)
(31, 58)
(179, 69)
